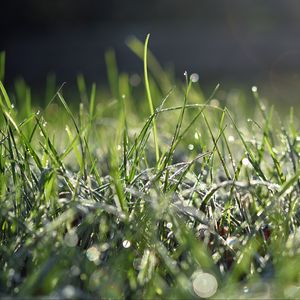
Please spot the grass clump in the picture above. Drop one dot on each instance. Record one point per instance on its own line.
(116, 201)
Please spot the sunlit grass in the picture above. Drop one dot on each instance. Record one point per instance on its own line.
(184, 197)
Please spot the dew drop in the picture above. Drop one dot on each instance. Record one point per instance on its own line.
(169, 225)
(191, 147)
(254, 89)
(126, 244)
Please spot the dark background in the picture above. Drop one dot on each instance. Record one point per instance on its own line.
(256, 42)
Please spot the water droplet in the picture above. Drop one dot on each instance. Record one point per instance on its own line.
(246, 289)
(169, 225)
(126, 244)
(12, 106)
(119, 147)
(254, 89)
(194, 77)
(45, 124)
(204, 285)
(123, 96)
(92, 254)
(185, 73)
(191, 147)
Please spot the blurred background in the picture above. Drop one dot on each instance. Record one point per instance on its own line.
(236, 43)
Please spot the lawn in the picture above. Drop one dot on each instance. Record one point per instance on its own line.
(148, 189)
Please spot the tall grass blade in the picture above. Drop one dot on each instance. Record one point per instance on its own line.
(149, 97)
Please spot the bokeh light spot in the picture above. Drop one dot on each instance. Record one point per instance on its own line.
(194, 77)
(205, 285)
(71, 238)
(254, 89)
(92, 254)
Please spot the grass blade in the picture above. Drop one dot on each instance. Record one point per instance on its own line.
(149, 97)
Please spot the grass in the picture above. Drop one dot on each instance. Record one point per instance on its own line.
(117, 199)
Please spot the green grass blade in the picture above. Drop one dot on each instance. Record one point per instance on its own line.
(5, 97)
(149, 97)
